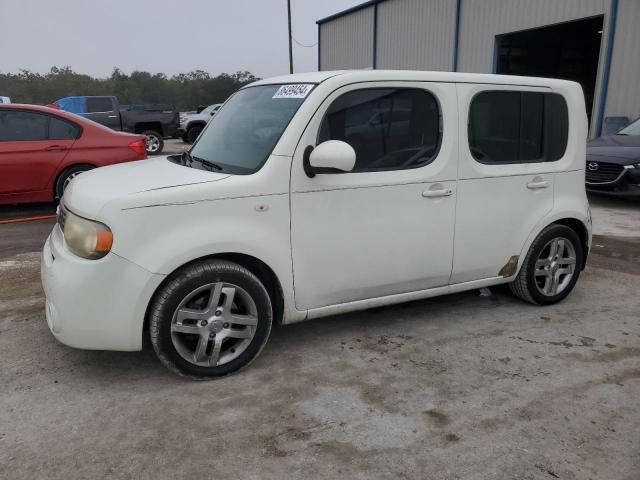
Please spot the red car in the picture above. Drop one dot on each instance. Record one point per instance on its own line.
(42, 149)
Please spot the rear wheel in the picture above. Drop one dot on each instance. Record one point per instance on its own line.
(551, 267)
(193, 132)
(155, 143)
(64, 179)
(211, 319)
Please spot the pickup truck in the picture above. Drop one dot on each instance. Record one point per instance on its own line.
(157, 123)
(192, 123)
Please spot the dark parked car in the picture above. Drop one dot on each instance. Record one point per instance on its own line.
(157, 123)
(613, 163)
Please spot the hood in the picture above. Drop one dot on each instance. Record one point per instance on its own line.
(89, 192)
(619, 149)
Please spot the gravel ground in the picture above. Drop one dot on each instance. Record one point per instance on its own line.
(449, 388)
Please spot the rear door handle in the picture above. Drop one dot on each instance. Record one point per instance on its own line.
(113, 116)
(55, 147)
(447, 192)
(537, 184)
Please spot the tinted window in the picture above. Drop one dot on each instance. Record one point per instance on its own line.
(388, 128)
(62, 130)
(99, 104)
(18, 126)
(516, 127)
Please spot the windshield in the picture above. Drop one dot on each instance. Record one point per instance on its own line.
(241, 136)
(631, 129)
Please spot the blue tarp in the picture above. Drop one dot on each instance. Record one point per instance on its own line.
(73, 104)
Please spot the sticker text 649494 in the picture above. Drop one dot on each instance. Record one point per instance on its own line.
(298, 90)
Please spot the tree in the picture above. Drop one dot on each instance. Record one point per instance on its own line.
(185, 91)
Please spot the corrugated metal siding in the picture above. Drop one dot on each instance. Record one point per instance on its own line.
(347, 42)
(623, 98)
(482, 20)
(416, 34)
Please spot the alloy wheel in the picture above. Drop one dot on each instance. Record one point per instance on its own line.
(214, 324)
(153, 143)
(555, 267)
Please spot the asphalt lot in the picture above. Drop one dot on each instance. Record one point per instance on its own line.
(456, 387)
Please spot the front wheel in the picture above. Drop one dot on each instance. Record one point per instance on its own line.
(551, 268)
(193, 133)
(155, 143)
(210, 319)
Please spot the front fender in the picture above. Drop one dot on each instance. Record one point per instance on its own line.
(163, 238)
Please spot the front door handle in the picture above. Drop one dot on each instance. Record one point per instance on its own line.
(537, 184)
(447, 192)
(55, 147)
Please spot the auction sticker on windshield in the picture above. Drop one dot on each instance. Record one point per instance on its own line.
(300, 90)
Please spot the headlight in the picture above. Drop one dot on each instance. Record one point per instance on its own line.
(86, 238)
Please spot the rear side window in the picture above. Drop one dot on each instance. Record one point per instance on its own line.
(518, 127)
(62, 130)
(99, 104)
(20, 126)
(389, 128)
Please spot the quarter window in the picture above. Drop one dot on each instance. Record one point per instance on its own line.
(62, 130)
(389, 128)
(518, 127)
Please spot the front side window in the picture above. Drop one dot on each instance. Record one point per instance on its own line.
(240, 137)
(99, 104)
(518, 127)
(389, 128)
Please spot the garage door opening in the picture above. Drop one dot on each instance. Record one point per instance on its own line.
(568, 50)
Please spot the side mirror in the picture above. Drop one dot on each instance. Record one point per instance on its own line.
(332, 156)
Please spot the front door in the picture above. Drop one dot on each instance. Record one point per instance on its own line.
(387, 226)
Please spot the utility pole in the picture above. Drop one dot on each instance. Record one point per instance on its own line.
(290, 38)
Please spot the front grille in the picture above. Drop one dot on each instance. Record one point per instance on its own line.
(602, 172)
(62, 215)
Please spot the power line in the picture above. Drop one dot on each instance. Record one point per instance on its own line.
(303, 45)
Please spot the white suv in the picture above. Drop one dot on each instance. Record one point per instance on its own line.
(323, 193)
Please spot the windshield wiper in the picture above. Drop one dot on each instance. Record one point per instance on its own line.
(206, 163)
(202, 161)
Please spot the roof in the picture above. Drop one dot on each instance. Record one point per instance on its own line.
(308, 77)
(349, 10)
(352, 76)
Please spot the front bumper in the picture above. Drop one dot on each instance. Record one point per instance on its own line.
(94, 304)
(626, 185)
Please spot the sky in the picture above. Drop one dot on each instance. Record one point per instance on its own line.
(169, 36)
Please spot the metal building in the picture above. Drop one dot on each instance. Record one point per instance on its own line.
(595, 42)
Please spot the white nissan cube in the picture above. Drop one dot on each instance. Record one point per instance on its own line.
(316, 194)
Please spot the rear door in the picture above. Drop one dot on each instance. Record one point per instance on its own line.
(104, 111)
(511, 138)
(32, 146)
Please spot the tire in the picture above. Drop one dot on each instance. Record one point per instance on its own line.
(193, 132)
(192, 327)
(551, 268)
(184, 138)
(66, 176)
(155, 142)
